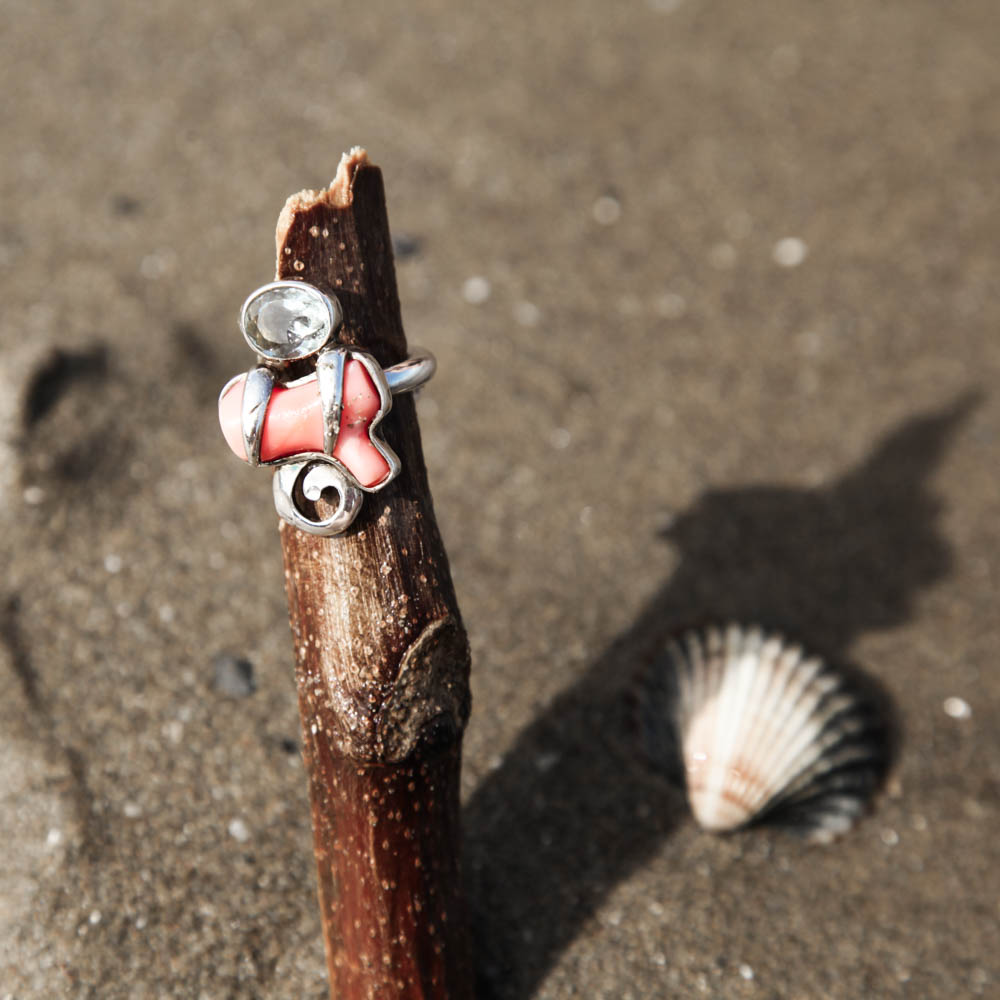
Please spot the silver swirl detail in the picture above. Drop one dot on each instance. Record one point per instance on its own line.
(313, 475)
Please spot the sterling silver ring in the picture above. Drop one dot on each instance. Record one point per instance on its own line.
(324, 434)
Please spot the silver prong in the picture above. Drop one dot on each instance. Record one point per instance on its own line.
(256, 395)
(330, 375)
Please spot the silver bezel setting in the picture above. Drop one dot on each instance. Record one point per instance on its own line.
(334, 315)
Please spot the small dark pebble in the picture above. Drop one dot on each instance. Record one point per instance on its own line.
(405, 246)
(289, 746)
(124, 204)
(233, 676)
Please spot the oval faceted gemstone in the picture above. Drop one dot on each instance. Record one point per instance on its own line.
(287, 322)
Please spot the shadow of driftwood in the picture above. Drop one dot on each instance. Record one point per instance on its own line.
(569, 813)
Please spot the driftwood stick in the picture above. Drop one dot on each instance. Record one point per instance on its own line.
(382, 659)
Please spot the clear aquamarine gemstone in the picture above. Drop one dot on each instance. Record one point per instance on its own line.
(288, 320)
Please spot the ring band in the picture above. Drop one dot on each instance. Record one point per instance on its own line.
(412, 373)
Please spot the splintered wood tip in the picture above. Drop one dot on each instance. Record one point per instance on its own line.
(337, 195)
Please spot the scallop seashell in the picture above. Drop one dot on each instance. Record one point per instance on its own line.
(764, 731)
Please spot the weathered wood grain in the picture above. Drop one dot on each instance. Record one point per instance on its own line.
(382, 659)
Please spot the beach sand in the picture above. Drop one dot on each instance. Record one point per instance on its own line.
(713, 291)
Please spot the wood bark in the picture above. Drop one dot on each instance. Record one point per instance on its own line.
(382, 658)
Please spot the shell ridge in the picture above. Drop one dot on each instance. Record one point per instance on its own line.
(764, 722)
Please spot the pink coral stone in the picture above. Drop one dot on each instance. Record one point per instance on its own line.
(294, 423)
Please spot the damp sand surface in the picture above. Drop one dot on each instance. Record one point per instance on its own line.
(712, 287)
